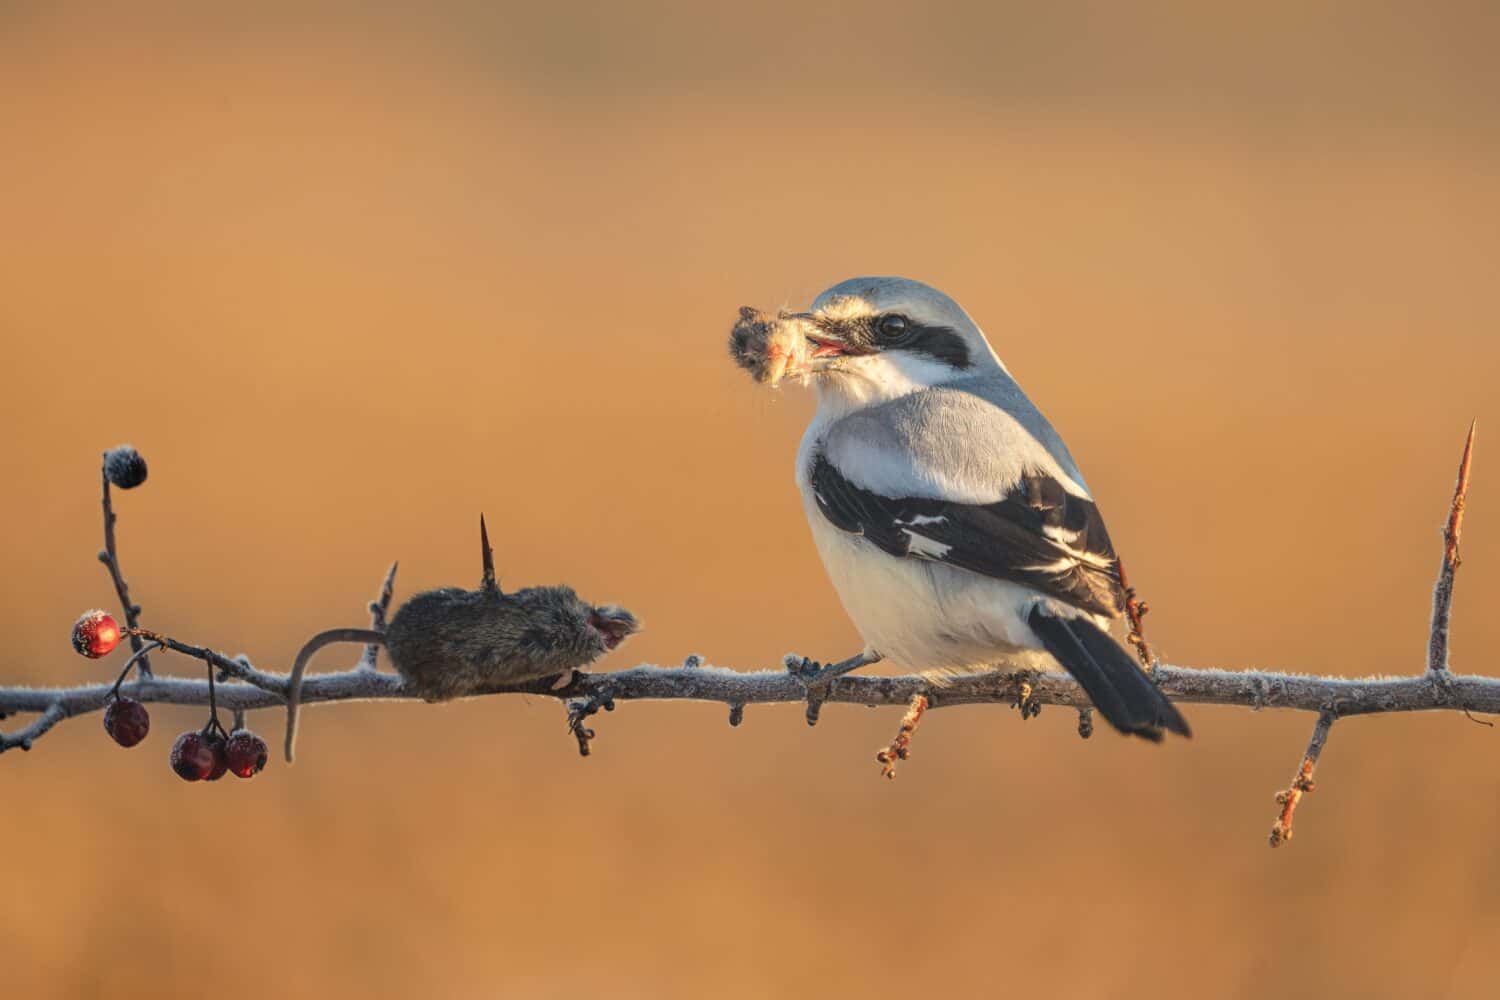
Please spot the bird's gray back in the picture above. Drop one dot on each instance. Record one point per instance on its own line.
(968, 440)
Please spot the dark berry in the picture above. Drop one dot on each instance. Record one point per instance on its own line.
(127, 721)
(125, 467)
(95, 634)
(192, 756)
(221, 759)
(247, 753)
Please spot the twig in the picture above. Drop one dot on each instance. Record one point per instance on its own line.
(110, 557)
(23, 738)
(900, 747)
(1442, 593)
(242, 687)
(378, 611)
(239, 669)
(1302, 781)
(134, 658)
(1187, 685)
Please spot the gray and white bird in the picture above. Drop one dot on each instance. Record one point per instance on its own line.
(950, 516)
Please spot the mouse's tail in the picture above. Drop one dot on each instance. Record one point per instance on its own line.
(363, 636)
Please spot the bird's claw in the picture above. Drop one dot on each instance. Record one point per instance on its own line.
(818, 679)
(1026, 701)
(801, 667)
(812, 672)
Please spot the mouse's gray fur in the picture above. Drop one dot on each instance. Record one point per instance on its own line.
(749, 340)
(451, 642)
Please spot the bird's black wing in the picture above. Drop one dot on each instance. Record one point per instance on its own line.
(1039, 535)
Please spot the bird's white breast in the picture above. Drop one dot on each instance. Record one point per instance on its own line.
(919, 615)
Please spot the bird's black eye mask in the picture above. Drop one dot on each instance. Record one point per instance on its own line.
(896, 331)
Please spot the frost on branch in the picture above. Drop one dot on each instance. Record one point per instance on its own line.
(236, 685)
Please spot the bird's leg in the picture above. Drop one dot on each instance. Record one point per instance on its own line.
(900, 747)
(818, 679)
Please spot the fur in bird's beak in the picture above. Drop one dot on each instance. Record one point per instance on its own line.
(789, 344)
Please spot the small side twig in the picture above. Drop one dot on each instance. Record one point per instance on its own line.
(379, 608)
(239, 668)
(900, 747)
(134, 658)
(1442, 593)
(110, 557)
(24, 737)
(1302, 781)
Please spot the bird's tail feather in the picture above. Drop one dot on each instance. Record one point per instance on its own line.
(1121, 692)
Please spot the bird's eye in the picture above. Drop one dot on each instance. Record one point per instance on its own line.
(892, 325)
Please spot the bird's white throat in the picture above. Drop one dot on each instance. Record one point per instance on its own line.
(872, 379)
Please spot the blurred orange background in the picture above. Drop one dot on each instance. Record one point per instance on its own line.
(348, 278)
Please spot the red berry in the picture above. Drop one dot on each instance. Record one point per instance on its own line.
(127, 721)
(95, 634)
(247, 753)
(192, 756)
(221, 759)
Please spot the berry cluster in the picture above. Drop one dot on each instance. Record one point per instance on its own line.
(206, 754)
(209, 754)
(197, 755)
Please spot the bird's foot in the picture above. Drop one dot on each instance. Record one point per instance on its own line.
(813, 672)
(1026, 701)
(817, 679)
(900, 747)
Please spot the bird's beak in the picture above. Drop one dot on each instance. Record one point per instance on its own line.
(800, 346)
(788, 344)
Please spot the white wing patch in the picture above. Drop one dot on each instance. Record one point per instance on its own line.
(918, 544)
(921, 545)
(1061, 535)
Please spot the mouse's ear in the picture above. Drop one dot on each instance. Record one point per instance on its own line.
(487, 559)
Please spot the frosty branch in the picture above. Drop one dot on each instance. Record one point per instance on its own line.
(242, 687)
